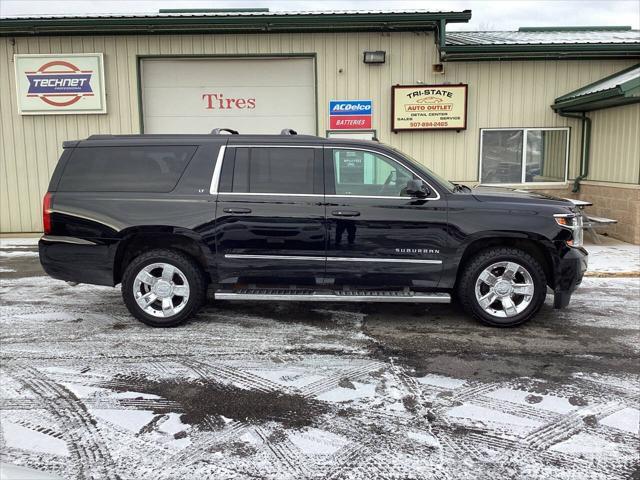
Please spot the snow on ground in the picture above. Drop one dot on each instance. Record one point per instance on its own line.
(613, 256)
(296, 391)
(19, 242)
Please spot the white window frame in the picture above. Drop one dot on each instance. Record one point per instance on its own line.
(524, 156)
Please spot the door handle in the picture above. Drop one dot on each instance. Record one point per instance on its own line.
(236, 210)
(345, 213)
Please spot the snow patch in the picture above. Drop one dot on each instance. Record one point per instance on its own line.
(17, 436)
(546, 402)
(314, 441)
(615, 258)
(627, 419)
(423, 437)
(341, 394)
(583, 443)
(132, 420)
(12, 242)
(18, 254)
(488, 416)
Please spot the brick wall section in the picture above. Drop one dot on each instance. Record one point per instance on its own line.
(621, 203)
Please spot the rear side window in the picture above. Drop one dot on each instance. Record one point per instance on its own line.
(125, 169)
(273, 170)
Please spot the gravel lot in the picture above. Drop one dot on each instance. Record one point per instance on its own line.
(292, 390)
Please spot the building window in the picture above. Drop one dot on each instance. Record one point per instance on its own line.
(524, 155)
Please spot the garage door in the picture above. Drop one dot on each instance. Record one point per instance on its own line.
(251, 95)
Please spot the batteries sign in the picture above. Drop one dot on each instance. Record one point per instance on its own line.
(350, 114)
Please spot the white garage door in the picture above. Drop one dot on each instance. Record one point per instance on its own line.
(251, 95)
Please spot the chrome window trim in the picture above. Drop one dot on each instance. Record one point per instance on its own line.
(274, 145)
(437, 197)
(215, 178)
(274, 194)
(329, 259)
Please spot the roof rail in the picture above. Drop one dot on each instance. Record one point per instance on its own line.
(288, 131)
(218, 131)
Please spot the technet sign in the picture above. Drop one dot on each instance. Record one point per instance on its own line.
(350, 114)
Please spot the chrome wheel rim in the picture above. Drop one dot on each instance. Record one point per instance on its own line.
(504, 289)
(161, 290)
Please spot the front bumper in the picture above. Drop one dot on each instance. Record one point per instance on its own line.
(569, 270)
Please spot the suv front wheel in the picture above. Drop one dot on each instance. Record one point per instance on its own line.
(163, 288)
(503, 287)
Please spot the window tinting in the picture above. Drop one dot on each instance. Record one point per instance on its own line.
(273, 170)
(125, 169)
(366, 174)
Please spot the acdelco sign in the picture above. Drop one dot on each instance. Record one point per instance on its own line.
(350, 114)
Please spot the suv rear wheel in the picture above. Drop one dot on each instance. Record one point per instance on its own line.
(163, 288)
(502, 287)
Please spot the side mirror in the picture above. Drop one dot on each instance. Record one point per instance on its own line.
(417, 188)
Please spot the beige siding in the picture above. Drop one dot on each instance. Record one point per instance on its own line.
(615, 144)
(501, 94)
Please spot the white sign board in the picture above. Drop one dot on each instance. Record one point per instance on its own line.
(60, 84)
(251, 95)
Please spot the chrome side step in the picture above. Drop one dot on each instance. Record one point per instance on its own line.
(332, 296)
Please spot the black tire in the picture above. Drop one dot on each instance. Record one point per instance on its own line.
(187, 266)
(466, 290)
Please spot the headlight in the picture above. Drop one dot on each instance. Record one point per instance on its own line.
(574, 223)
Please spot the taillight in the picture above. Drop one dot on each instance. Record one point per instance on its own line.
(46, 213)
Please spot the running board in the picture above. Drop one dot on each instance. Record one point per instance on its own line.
(332, 296)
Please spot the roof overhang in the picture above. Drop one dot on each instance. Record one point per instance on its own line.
(540, 51)
(625, 93)
(231, 23)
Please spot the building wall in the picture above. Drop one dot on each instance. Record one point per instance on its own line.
(615, 144)
(501, 94)
(617, 201)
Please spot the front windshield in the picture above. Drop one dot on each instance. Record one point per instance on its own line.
(419, 166)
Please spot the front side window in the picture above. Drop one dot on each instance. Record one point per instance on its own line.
(362, 173)
(524, 155)
(272, 170)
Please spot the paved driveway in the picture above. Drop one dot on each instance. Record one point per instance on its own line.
(276, 390)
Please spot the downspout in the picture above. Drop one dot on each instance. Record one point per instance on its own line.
(585, 146)
(442, 41)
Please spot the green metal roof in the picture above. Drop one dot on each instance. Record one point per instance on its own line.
(234, 21)
(621, 88)
(541, 42)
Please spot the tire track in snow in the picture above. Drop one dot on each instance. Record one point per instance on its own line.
(85, 443)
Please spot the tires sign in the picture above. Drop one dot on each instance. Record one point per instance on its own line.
(60, 84)
(350, 114)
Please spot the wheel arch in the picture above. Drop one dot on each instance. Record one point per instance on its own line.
(534, 245)
(138, 240)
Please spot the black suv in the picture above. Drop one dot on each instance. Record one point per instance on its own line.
(293, 217)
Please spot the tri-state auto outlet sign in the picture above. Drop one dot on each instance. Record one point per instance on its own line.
(350, 114)
(429, 107)
(60, 84)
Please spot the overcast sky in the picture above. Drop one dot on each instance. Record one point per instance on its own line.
(487, 14)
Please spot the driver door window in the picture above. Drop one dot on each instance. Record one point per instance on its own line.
(362, 173)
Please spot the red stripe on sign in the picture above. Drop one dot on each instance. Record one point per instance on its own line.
(350, 122)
